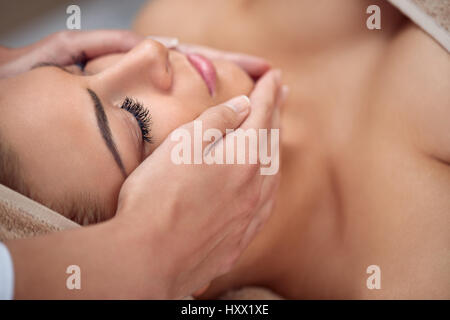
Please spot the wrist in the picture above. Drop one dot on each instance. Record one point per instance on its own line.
(113, 264)
(143, 258)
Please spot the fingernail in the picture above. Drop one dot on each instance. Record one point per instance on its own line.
(239, 104)
(168, 42)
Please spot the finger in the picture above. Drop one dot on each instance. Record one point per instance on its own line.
(276, 119)
(269, 187)
(202, 290)
(269, 190)
(284, 93)
(275, 123)
(263, 100)
(257, 223)
(254, 66)
(228, 115)
(68, 47)
(96, 43)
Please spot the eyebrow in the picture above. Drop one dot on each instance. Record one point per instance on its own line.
(102, 119)
(103, 125)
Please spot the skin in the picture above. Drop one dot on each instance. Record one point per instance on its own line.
(143, 254)
(70, 45)
(162, 80)
(365, 142)
(139, 232)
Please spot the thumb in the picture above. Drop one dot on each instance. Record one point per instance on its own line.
(228, 115)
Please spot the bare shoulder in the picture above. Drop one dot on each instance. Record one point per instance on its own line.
(413, 85)
(410, 112)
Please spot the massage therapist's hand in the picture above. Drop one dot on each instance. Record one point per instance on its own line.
(197, 220)
(65, 48)
(70, 47)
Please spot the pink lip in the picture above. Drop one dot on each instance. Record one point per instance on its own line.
(206, 69)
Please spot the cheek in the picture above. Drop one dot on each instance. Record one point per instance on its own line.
(62, 168)
(231, 81)
(168, 115)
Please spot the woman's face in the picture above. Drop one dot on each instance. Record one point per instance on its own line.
(54, 119)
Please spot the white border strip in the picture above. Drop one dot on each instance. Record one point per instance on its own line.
(6, 274)
(424, 20)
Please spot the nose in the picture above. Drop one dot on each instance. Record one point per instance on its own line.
(145, 66)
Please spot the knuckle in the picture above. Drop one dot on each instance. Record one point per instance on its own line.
(64, 37)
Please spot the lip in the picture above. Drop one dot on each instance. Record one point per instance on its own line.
(205, 67)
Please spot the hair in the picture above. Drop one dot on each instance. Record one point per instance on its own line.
(10, 175)
(81, 208)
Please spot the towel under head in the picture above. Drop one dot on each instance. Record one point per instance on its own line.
(21, 217)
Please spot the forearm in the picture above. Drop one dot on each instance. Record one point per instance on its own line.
(5, 54)
(112, 265)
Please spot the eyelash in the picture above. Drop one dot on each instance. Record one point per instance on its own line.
(142, 116)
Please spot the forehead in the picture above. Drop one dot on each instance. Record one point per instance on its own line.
(43, 87)
(47, 105)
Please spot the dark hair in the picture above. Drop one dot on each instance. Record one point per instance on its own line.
(82, 208)
(10, 175)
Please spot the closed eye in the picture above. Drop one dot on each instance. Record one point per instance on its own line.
(142, 116)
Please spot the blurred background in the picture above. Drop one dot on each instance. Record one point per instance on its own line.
(25, 21)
